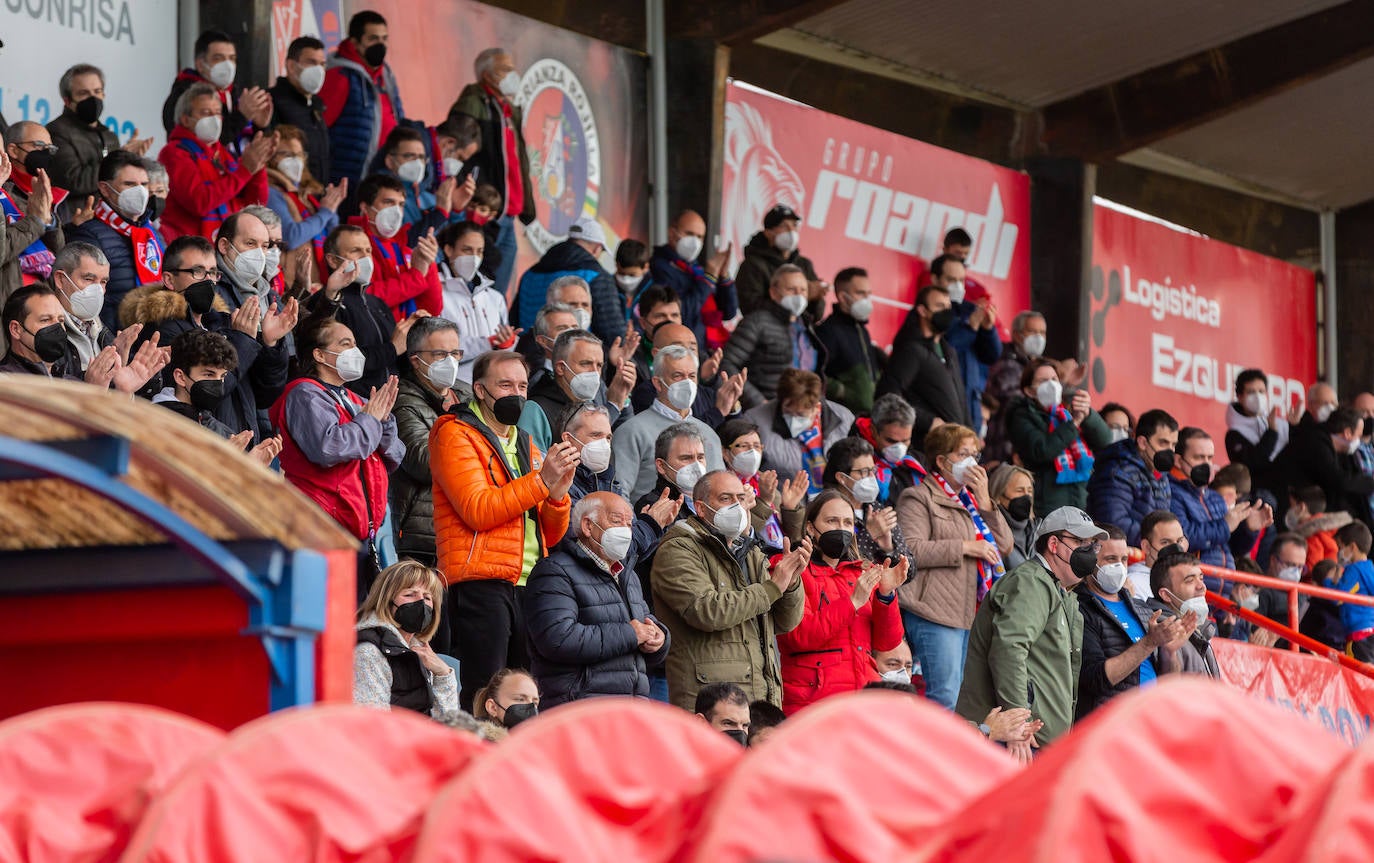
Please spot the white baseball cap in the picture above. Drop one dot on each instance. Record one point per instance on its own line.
(588, 230)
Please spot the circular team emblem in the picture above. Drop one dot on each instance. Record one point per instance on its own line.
(565, 156)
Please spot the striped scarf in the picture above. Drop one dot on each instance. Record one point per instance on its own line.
(988, 573)
(1074, 464)
(772, 529)
(147, 247)
(813, 455)
(35, 262)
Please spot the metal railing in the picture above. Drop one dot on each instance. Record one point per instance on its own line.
(1296, 640)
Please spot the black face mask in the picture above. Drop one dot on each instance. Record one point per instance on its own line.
(375, 54)
(413, 617)
(50, 342)
(942, 320)
(200, 296)
(739, 735)
(518, 713)
(507, 409)
(89, 109)
(1200, 475)
(1083, 560)
(155, 207)
(1019, 508)
(37, 160)
(207, 395)
(835, 543)
(1163, 461)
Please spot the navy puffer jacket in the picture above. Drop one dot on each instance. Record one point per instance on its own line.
(1123, 489)
(578, 619)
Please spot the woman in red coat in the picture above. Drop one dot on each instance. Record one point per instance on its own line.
(831, 650)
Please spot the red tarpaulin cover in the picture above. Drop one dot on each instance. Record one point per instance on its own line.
(607, 779)
(323, 784)
(855, 778)
(76, 779)
(1185, 770)
(1334, 819)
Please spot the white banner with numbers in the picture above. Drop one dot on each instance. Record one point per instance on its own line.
(133, 41)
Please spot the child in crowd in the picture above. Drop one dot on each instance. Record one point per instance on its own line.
(1357, 576)
(631, 269)
(482, 210)
(200, 363)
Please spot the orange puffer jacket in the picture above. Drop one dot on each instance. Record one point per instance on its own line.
(479, 506)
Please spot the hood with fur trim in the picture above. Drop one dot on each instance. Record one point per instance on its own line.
(151, 305)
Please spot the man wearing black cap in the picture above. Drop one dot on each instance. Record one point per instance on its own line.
(1026, 645)
(777, 244)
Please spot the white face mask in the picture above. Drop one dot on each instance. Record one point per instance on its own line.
(1324, 413)
(583, 319)
(596, 455)
(959, 470)
(443, 374)
(509, 85)
(687, 476)
(627, 283)
(688, 248)
(584, 385)
(363, 269)
(349, 364)
(411, 172)
(787, 241)
(898, 675)
(615, 543)
(273, 265)
(222, 73)
(208, 128)
(956, 291)
(794, 303)
(797, 424)
(86, 302)
(452, 166)
(731, 521)
(1291, 573)
(1049, 393)
(1119, 434)
(861, 309)
(894, 452)
(1034, 345)
(1256, 404)
(1352, 446)
(1197, 605)
(132, 202)
(682, 394)
(249, 265)
(389, 220)
(312, 79)
(865, 490)
(465, 266)
(1111, 577)
(292, 167)
(747, 463)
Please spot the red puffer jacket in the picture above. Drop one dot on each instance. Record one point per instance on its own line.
(830, 651)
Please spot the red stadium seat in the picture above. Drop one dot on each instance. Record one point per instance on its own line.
(331, 784)
(76, 779)
(597, 780)
(855, 778)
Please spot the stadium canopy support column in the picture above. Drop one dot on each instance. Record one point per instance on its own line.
(695, 119)
(1330, 340)
(1354, 317)
(1061, 249)
(658, 125)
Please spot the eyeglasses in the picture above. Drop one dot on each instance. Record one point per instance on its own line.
(198, 273)
(279, 245)
(863, 472)
(442, 355)
(39, 145)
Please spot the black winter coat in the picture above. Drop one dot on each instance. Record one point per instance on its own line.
(854, 362)
(1103, 638)
(290, 108)
(762, 343)
(933, 386)
(578, 620)
(755, 274)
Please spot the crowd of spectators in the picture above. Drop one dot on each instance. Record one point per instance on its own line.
(653, 479)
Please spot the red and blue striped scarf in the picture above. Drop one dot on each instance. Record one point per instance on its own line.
(1074, 464)
(988, 573)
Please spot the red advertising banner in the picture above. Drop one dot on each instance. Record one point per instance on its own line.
(1175, 316)
(872, 199)
(583, 103)
(1319, 689)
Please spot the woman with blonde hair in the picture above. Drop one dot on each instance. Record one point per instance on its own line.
(1013, 490)
(393, 664)
(509, 698)
(308, 210)
(959, 538)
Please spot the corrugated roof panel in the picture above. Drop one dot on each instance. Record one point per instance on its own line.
(1038, 53)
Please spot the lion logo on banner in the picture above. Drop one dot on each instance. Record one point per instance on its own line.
(756, 176)
(565, 153)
